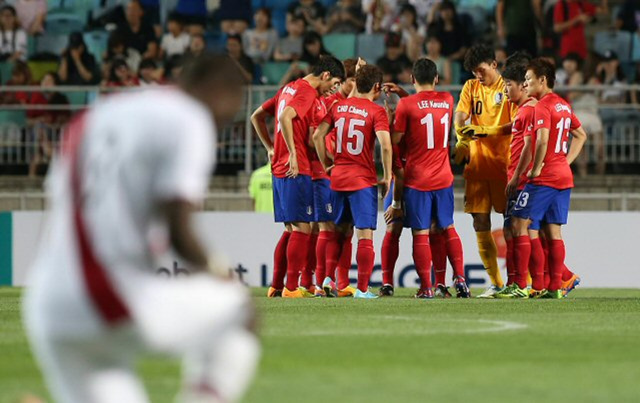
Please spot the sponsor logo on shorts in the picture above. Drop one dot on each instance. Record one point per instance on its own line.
(309, 210)
(329, 208)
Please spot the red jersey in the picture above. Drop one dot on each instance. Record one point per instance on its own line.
(328, 103)
(316, 114)
(425, 120)
(522, 127)
(555, 114)
(356, 121)
(573, 40)
(299, 95)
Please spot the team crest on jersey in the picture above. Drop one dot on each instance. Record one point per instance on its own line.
(498, 98)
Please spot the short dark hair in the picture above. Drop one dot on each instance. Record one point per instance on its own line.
(147, 64)
(367, 77)
(520, 57)
(544, 68)
(477, 55)
(175, 17)
(350, 67)
(424, 71)
(515, 72)
(210, 70)
(330, 64)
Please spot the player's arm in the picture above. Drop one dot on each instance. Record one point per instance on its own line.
(542, 140)
(181, 234)
(319, 143)
(393, 88)
(396, 137)
(387, 155)
(475, 131)
(286, 126)
(523, 163)
(577, 142)
(395, 209)
(259, 122)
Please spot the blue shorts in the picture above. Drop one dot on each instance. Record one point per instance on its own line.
(543, 204)
(293, 199)
(359, 207)
(323, 201)
(421, 208)
(511, 203)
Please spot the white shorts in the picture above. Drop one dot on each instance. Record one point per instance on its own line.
(82, 356)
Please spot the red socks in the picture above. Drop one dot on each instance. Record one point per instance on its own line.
(321, 255)
(566, 274)
(522, 256)
(365, 257)
(556, 263)
(455, 252)
(306, 280)
(390, 251)
(280, 261)
(439, 256)
(545, 248)
(422, 259)
(344, 263)
(332, 254)
(296, 258)
(536, 265)
(511, 265)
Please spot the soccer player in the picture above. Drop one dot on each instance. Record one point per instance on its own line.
(133, 165)
(292, 187)
(482, 100)
(423, 121)
(358, 121)
(546, 197)
(520, 163)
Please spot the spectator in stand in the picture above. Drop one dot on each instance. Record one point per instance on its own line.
(176, 40)
(117, 48)
(14, 38)
(138, 34)
(121, 76)
(236, 52)
(173, 69)
(609, 74)
(628, 18)
(151, 15)
(585, 106)
(426, 9)
(289, 48)
(197, 46)
(312, 48)
(234, 16)
(569, 20)
(77, 66)
(453, 34)
(194, 15)
(31, 14)
(434, 53)
(312, 11)
(260, 42)
(46, 124)
(345, 17)
(413, 34)
(20, 76)
(395, 60)
(380, 15)
(516, 22)
(149, 74)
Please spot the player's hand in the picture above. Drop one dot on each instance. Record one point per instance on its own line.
(461, 150)
(329, 168)
(390, 112)
(532, 174)
(511, 188)
(393, 88)
(361, 62)
(270, 155)
(473, 131)
(392, 214)
(385, 187)
(293, 166)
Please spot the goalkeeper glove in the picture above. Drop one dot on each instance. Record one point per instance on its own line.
(473, 131)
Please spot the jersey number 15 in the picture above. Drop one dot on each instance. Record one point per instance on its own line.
(353, 147)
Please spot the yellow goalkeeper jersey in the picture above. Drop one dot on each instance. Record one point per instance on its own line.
(487, 106)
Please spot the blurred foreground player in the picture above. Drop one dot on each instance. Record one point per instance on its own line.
(131, 172)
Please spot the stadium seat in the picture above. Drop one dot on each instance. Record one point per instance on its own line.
(617, 41)
(40, 68)
(52, 43)
(96, 42)
(5, 71)
(274, 71)
(76, 98)
(370, 47)
(342, 46)
(64, 23)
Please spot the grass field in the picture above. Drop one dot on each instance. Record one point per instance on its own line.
(582, 349)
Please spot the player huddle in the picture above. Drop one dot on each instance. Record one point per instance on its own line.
(513, 137)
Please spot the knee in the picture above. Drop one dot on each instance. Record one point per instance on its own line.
(481, 223)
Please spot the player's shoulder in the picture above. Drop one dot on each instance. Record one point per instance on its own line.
(471, 84)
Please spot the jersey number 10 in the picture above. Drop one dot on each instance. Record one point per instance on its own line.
(428, 122)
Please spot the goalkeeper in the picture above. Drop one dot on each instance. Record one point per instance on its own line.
(483, 145)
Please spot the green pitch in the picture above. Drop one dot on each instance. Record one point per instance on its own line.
(585, 348)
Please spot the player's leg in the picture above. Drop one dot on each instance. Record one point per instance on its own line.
(344, 262)
(306, 278)
(390, 249)
(418, 207)
(364, 210)
(556, 216)
(545, 249)
(437, 241)
(537, 261)
(324, 211)
(342, 221)
(478, 204)
(280, 252)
